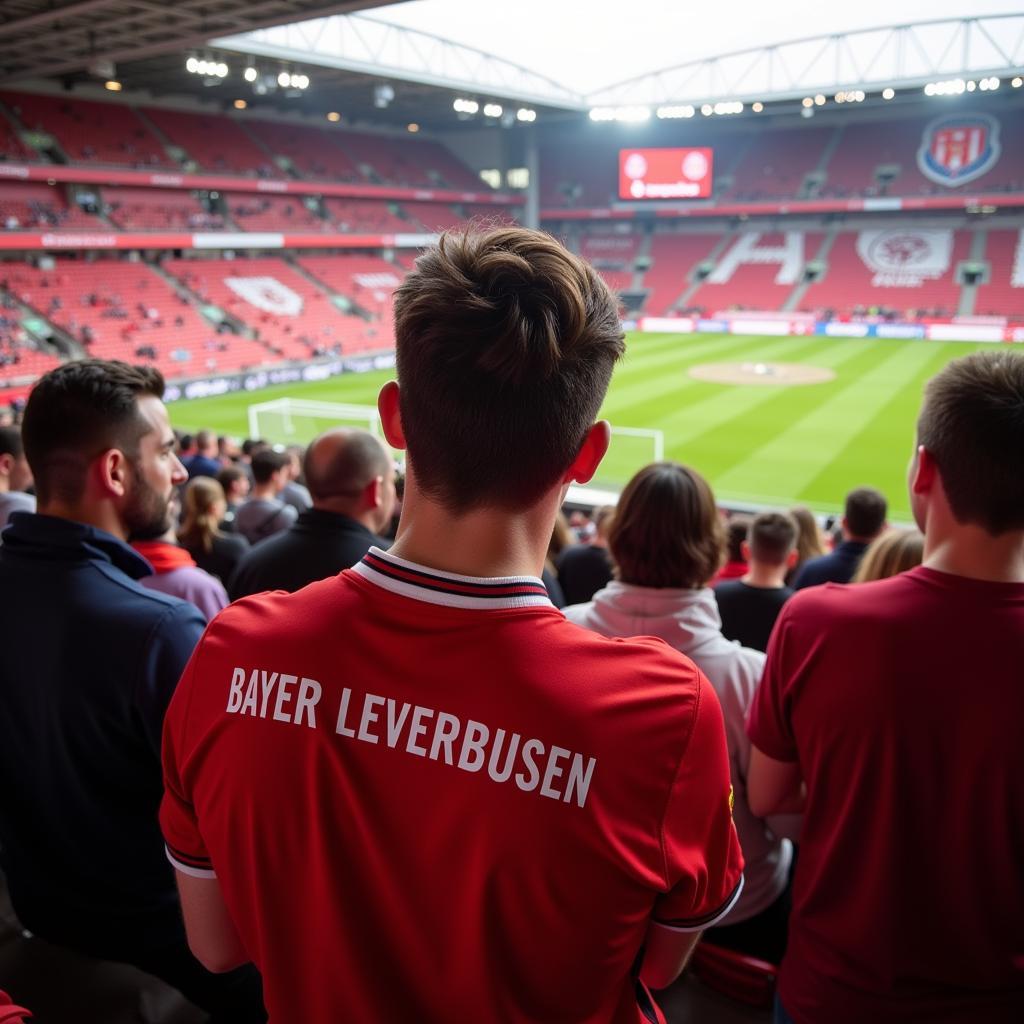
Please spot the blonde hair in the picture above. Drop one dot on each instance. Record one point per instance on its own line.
(892, 553)
(201, 524)
(808, 537)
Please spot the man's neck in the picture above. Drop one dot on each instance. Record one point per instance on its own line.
(765, 577)
(344, 508)
(101, 517)
(484, 542)
(265, 492)
(970, 551)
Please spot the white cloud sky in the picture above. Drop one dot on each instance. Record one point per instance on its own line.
(588, 44)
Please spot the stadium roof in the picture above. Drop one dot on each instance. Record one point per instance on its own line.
(574, 54)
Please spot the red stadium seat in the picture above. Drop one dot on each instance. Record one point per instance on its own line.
(743, 978)
(9, 1013)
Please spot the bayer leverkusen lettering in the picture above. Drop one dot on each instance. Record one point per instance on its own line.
(532, 764)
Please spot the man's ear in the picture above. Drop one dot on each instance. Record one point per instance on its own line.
(591, 452)
(745, 550)
(110, 471)
(792, 558)
(6, 464)
(391, 415)
(925, 472)
(373, 493)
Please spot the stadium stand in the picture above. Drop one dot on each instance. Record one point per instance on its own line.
(614, 251)
(147, 209)
(124, 310)
(290, 315)
(214, 142)
(11, 146)
(312, 152)
(38, 205)
(274, 213)
(434, 216)
(673, 257)
(90, 132)
(369, 282)
(756, 282)
(351, 215)
(394, 161)
(1004, 293)
(776, 164)
(851, 285)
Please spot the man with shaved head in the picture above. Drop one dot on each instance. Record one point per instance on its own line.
(351, 478)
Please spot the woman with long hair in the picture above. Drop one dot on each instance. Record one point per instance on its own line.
(894, 552)
(200, 535)
(668, 542)
(809, 542)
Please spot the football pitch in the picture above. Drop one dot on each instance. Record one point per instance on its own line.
(763, 443)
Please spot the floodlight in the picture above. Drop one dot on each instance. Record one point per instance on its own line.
(284, 79)
(250, 74)
(526, 114)
(492, 110)
(888, 93)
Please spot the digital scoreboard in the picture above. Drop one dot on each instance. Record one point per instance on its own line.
(666, 173)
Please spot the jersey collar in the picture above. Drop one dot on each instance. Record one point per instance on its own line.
(446, 588)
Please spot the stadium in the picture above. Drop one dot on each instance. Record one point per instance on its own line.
(803, 222)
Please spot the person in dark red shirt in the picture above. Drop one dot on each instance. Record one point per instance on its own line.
(890, 713)
(414, 791)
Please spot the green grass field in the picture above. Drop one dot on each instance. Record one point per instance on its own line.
(756, 444)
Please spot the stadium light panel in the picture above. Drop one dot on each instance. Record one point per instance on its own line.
(971, 86)
(888, 93)
(222, 70)
(412, 127)
(240, 104)
(807, 101)
(526, 115)
(757, 107)
(707, 110)
(113, 85)
(1017, 82)
(464, 106)
(677, 111)
(250, 74)
(192, 65)
(492, 110)
(334, 117)
(819, 100)
(284, 79)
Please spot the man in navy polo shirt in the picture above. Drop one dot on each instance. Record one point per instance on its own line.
(88, 662)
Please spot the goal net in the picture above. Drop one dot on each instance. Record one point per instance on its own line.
(298, 421)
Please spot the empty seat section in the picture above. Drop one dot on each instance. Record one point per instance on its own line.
(611, 251)
(775, 165)
(274, 213)
(899, 272)
(313, 152)
(90, 132)
(356, 215)
(11, 146)
(393, 161)
(291, 316)
(753, 283)
(32, 205)
(370, 282)
(215, 142)
(434, 216)
(157, 209)
(673, 257)
(453, 172)
(1004, 293)
(122, 310)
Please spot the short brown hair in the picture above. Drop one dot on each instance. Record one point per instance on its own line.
(78, 410)
(772, 535)
(266, 462)
(505, 347)
(865, 512)
(894, 552)
(667, 531)
(972, 424)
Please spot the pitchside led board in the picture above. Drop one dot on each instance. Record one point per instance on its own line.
(665, 173)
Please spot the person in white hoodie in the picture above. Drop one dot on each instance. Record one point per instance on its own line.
(667, 540)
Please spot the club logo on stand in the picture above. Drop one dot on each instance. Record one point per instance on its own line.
(958, 148)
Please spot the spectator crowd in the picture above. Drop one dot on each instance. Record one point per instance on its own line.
(342, 743)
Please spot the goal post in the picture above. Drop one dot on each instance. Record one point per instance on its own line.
(298, 421)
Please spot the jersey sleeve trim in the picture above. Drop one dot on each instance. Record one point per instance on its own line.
(189, 864)
(698, 924)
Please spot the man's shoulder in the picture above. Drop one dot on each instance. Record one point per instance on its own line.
(834, 603)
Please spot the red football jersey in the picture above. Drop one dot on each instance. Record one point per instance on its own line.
(903, 701)
(428, 797)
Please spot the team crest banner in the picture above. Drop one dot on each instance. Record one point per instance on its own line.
(958, 148)
(266, 293)
(905, 257)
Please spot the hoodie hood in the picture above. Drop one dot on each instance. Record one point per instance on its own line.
(688, 620)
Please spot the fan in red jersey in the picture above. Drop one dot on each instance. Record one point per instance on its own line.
(414, 791)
